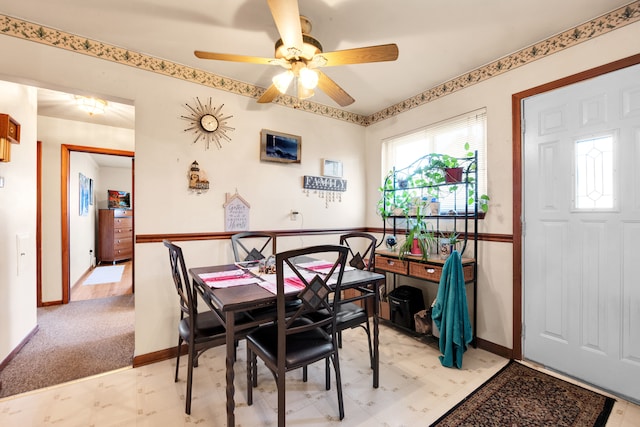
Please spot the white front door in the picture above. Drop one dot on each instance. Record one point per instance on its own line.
(581, 258)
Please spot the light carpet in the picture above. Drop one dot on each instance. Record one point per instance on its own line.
(74, 340)
(108, 274)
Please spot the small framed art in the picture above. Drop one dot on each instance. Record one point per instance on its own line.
(332, 168)
(84, 195)
(280, 147)
(119, 199)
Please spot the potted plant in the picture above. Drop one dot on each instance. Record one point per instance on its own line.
(453, 171)
(419, 237)
(481, 199)
(423, 181)
(394, 203)
(448, 242)
(444, 169)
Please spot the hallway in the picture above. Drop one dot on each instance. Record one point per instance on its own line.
(80, 292)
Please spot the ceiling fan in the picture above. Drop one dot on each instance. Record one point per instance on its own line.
(301, 55)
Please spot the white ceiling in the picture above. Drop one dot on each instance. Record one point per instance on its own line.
(63, 105)
(437, 39)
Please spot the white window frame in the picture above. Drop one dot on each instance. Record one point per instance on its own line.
(444, 137)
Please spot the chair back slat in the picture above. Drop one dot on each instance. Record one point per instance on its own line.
(361, 249)
(318, 290)
(188, 304)
(253, 245)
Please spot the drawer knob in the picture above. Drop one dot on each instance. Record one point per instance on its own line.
(389, 262)
(430, 270)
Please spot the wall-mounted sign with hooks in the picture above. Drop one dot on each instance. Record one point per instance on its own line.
(324, 183)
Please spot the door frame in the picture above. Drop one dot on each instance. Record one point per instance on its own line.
(65, 187)
(516, 118)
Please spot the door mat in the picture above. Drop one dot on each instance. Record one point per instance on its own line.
(110, 274)
(521, 396)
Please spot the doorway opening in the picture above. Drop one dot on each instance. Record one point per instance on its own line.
(67, 152)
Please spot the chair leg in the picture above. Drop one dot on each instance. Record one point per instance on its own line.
(178, 358)
(336, 366)
(250, 363)
(367, 329)
(254, 360)
(327, 375)
(190, 358)
(339, 334)
(282, 410)
(304, 374)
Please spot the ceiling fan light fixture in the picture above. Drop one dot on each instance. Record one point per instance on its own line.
(310, 47)
(282, 81)
(91, 105)
(301, 53)
(303, 92)
(308, 78)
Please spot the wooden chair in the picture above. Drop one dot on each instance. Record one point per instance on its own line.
(200, 331)
(253, 245)
(296, 340)
(356, 305)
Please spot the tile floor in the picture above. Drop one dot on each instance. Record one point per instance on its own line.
(414, 391)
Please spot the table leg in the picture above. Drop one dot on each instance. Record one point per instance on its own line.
(376, 354)
(231, 356)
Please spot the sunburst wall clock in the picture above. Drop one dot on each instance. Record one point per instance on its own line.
(207, 123)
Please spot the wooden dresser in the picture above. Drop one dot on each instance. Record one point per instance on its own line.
(115, 235)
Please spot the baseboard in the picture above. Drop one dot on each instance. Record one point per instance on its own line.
(505, 352)
(170, 353)
(16, 350)
(50, 303)
(158, 356)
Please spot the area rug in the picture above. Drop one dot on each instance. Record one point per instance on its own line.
(521, 396)
(110, 274)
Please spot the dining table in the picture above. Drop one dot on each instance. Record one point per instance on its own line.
(249, 292)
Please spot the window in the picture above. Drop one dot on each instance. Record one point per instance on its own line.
(594, 174)
(446, 137)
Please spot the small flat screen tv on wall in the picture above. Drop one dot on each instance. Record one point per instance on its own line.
(119, 199)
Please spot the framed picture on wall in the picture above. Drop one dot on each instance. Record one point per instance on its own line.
(332, 168)
(119, 199)
(84, 195)
(280, 147)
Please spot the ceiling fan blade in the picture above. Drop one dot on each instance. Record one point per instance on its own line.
(361, 55)
(230, 57)
(269, 95)
(334, 91)
(286, 15)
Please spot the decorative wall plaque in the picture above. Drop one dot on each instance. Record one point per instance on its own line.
(236, 213)
(328, 188)
(324, 183)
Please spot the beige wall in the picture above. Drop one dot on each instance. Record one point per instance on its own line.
(81, 228)
(163, 156)
(18, 218)
(495, 295)
(164, 153)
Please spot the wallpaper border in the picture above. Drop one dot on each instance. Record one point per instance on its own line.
(606, 23)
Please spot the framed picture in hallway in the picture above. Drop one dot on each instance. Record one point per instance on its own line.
(84, 195)
(119, 199)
